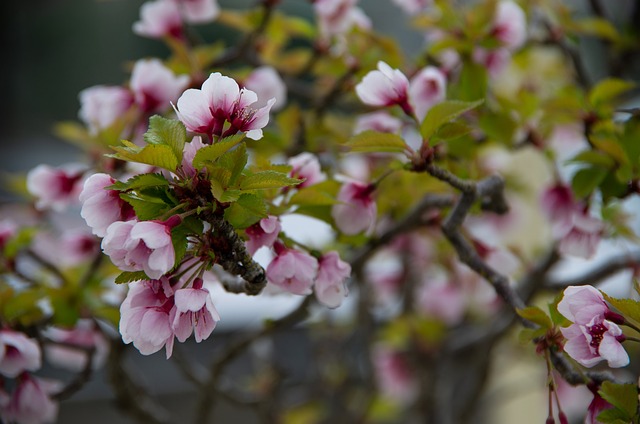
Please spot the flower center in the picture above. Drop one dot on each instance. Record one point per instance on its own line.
(597, 333)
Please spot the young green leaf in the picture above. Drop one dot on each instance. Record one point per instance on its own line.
(152, 154)
(267, 180)
(443, 113)
(623, 397)
(628, 307)
(373, 141)
(209, 154)
(535, 315)
(608, 90)
(130, 277)
(247, 210)
(140, 181)
(167, 132)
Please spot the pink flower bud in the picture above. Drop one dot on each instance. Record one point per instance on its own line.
(159, 18)
(510, 25)
(427, 88)
(385, 87)
(329, 285)
(155, 86)
(18, 353)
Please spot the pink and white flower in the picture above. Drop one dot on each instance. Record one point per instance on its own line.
(495, 61)
(385, 87)
(427, 88)
(357, 210)
(336, 17)
(141, 246)
(198, 11)
(266, 82)
(510, 25)
(155, 86)
(263, 233)
(159, 18)
(18, 353)
(84, 335)
(394, 375)
(306, 165)
(220, 102)
(79, 246)
(444, 301)
(594, 335)
(292, 270)
(102, 207)
(379, 121)
(145, 316)
(55, 188)
(31, 402)
(194, 312)
(329, 286)
(101, 106)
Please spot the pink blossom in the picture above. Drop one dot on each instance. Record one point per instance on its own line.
(412, 7)
(138, 246)
(159, 18)
(8, 229)
(155, 86)
(396, 380)
(198, 11)
(378, 121)
(306, 165)
(558, 204)
(357, 211)
(444, 301)
(18, 353)
(510, 25)
(292, 270)
(385, 87)
(266, 82)
(594, 335)
(84, 335)
(79, 246)
(101, 106)
(494, 60)
(263, 233)
(220, 102)
(102, 207)
(329, 287)
(55, 188)
(194, 311)
(336, 17)
(189, 152)
(145, 316)
(427, 88)
(583, 236)
(31, 403)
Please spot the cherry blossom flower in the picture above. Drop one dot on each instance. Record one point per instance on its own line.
(336, 17)
(495, 61)
(155, 86)
(138, 246)
(18, 353)
(594, 335)
(412, 7)
(31, 403)
(189, 152)
(145, 316)
(292, 270)
(194, 312)
(222, 101)
(357, 211)
(385, 87)
(306, 165)
(101, 106)
(427, 88)
(267, 84)
(510, 25)
(55, 188)
(198, 11)
(558, 204)
(102, 207)
(444, 301)
(379, 121)
(159, 18)
(394, 375)
(329, 285)
(79, 246)
(263, 233)
(84, 335)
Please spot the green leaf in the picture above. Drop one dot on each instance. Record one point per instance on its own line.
(593, 157)
(608, 90)
(373, 141)
(167, 132)
(140, 181)
(623, 397)
(267, 180)
(586, 180)
(453, 130)
(612, 416)
(179, 240)
(130, 277)
(146, 208)
(443, 113)
(152, 154)
(628, 307)
(535, 315)
(209, 154)
(18, 242)
(595, 26)
(246, 211)
(234, 161)
(473, 82)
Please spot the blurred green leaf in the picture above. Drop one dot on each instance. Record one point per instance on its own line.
(608, 90)
(443, 113)
(535, 315)
(586, 180)
(373, 141)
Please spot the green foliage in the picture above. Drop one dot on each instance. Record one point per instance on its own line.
(167, 132)
(624, 398)
(246, 211)
(130, 277)
(373, 141)
(535, 315)
(443, 113)
(267, 180)
(209, 154)
(607, 91)
(628, 307)
(140, 181)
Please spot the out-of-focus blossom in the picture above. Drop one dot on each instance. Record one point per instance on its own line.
(101, 106)
(31, 403)
(198, 11)
(263, 233)
(357, 210)
(145, 316)
(510, 25)
(336, 17)
(55, 188)
(427, 88)
(222, 101)
(102, 207)
(155, 86)
(394, 375)
(385, 87)
(194, 312)
(412, 7)
(85, 335)
(444, 301)
(379, 121)
(329, 285)
(159, 18)
(594, 335)
(266, 82)
(292, 270)
(78, 246)
(306, 165)
(18, 353)
(189, 152)
(495, 61)
(8, 229)
(138, 246)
